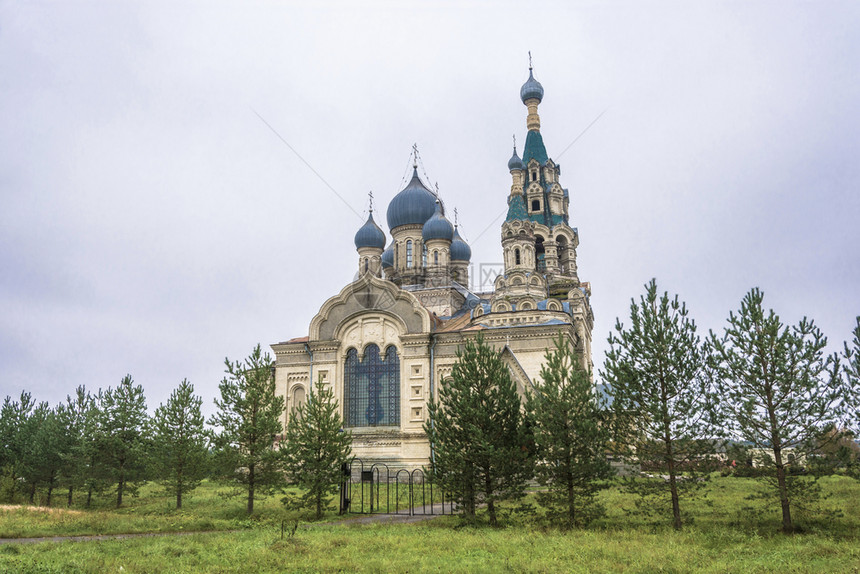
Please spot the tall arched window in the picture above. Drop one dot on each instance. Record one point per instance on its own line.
(435, 258)
(409, 254)
(540, 264)
(424, 255)
(372, 388)
(298, 397)
(516, 256)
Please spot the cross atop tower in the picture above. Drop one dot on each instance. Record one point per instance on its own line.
(370, 200)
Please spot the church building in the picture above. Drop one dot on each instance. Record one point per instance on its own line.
(388, 340)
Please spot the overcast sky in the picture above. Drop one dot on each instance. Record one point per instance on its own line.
(151, 223)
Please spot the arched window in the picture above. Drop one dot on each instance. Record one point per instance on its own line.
(365, 264)
(424, 255)
(409, 254)
(540, 264)
(298, 398)
(372, 388)
(563, 253)
(435, 258)
(516, 256)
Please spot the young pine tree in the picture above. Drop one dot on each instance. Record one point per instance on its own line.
(14, 442)
(315, 447)
(37, 448)
(851, 369)
(778, 391)
(478, 433)
(49, 445)
(249, 416)
(654, 371)
(179, 446)
(571, 435)
(77, 416)
(120, 442)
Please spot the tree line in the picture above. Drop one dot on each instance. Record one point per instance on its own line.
(677, 406)
(761, 398)
(106, 441)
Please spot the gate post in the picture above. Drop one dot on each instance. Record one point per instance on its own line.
(346, 474)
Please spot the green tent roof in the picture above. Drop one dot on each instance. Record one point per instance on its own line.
(534, 148)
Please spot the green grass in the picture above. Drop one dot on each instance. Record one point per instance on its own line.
(725, 536)
(208, 508)
(437, 547)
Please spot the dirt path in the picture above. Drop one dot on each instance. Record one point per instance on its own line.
(359, 519)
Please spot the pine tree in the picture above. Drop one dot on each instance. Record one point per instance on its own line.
(35, 447)
(14, 442)
(78, 419)
(571, 435)
(315, 447)
(48, 446)
(120, 442)
(94, 469)
(654, 372)
(250, 420)
(179, 446)
(778, 391)
(477, 432)
(851, 369)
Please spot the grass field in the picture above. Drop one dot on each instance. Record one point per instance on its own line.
(725, 536)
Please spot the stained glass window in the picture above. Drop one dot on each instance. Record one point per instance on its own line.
(372, 388)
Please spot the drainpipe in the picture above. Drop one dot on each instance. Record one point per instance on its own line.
(432, 397)
(311, 354)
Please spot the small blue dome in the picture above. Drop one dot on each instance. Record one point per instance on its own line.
(531, 89)
(369, 235)
(388, 256)
(515, 162)
(414, 205)
(460, 250)
(437, 227)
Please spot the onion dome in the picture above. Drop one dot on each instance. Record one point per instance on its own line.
(460, 250)
(515, 163)
(370, 235)
(531, 89)
(388, 257)
(414, 205)
(437, 227)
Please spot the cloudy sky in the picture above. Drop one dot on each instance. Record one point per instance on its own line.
(152, 222)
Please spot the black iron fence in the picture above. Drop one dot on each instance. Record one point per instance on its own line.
(378, 489)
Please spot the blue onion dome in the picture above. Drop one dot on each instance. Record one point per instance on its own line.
(515, 163)
(460, 250)
(414, 205)
(437, 227)
(369, 235)
(531, 89)
(388, 257)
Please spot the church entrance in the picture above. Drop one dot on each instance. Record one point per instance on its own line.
(375, 488)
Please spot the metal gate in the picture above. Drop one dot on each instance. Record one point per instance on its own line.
(378, 489)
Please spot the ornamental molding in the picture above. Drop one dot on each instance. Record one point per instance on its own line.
(370, 294)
